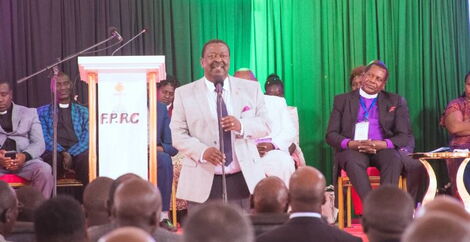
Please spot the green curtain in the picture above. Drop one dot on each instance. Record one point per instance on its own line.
(313, 45)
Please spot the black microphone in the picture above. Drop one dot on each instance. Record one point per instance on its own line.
(133, 38)
(115, 33)
(219, 85)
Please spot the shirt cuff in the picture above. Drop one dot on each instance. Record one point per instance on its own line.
(201, 160)
(344, 144)
(241, 128)
(389, 144)
(28, 156)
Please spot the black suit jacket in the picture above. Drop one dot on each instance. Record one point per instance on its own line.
(306, 229)
(393, 118)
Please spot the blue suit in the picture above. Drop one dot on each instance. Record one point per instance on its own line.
(164, 163)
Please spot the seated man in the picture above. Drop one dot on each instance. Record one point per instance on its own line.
(270, 199)
(274, 148)
(72, 132)
(369, 126)
(21, 143)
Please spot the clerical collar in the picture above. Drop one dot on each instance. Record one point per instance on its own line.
(366, 95)
(64, 105)
(4, 112)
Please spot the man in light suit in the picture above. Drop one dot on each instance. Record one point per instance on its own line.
(21, 136)
(369, 126)
(195, 132)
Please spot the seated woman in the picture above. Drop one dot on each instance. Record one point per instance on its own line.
(456, 119)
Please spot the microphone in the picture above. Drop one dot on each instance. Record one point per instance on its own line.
(115, 33)
(219, 84)
(127, 42)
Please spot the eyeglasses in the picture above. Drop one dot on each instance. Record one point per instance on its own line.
(214, 56)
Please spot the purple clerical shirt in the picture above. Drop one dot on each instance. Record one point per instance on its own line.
(375, 132)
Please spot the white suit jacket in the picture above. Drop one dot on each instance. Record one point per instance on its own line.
(282, 128)
(194, 129)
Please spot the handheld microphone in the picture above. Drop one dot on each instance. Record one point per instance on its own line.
(115, 33)
(130, 40)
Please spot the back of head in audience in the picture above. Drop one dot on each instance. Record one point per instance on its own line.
(355, 78)
(387, 212)
(137, 203)
(216, 221)
(270, 196)
(245, 73)
(307, 190)
(437, 227)
(30, 197)
(274, 86)
(60, 219)
(94, 200)
(445, 204)
(8, 208)
(131, 234)
(114, 185)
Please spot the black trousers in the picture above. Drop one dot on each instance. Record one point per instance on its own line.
(80, 165)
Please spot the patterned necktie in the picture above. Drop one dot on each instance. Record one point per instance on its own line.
(226, 137)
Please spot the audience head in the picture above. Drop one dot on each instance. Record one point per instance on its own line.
(127, 234)
(355, 79)
(8, 208)
(216, 221)
(94, 201)
(114, 185)
(64, 87)
(60, 219)
(30, 197)
(306, 190)
(437, 227)
(215, 60)
(274, 86)
(137, 203)
(387, 212)
(445, 204)
(245, 73)
(166, 90)
(6, 95)
(270, 196)
(375, 77)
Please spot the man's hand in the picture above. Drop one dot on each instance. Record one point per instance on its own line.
(67, 161)
(264, 148)
(4, 161)
(230, 123)
(159, 148)
(17, 163)
(370, 146)
(214, 156)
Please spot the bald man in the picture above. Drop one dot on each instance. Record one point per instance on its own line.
(270, 201)
(8, 209)
(437, 227)
(217, 221)
(274, 148)
(306, 195)
(137, 203)
(94, 201)
(387, 212)
(127, 234)
(445, 204)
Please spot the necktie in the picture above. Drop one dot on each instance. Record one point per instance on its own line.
(226, 137)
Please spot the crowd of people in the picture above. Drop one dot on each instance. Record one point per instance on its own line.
(235, 155)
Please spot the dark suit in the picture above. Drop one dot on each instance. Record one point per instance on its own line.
(164, 163)
(306, 229)
(394, 125)
(264, 222)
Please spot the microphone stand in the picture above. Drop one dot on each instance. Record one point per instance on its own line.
(221, 139)
(55, 68)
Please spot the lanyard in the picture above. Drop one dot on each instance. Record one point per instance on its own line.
(367, 110)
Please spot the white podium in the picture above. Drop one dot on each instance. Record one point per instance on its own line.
(122, 99)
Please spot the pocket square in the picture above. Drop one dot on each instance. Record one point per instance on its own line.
(246, 108)
(391, 109)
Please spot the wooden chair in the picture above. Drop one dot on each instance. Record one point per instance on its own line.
(344, 182)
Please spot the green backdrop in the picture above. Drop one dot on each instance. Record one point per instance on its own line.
(313, 45)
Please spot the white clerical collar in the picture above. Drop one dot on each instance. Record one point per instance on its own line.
(64, 105)
(210, 85)
(366, 95)
(4, 112)
(304, 214)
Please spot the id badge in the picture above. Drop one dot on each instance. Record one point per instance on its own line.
(362, 131)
